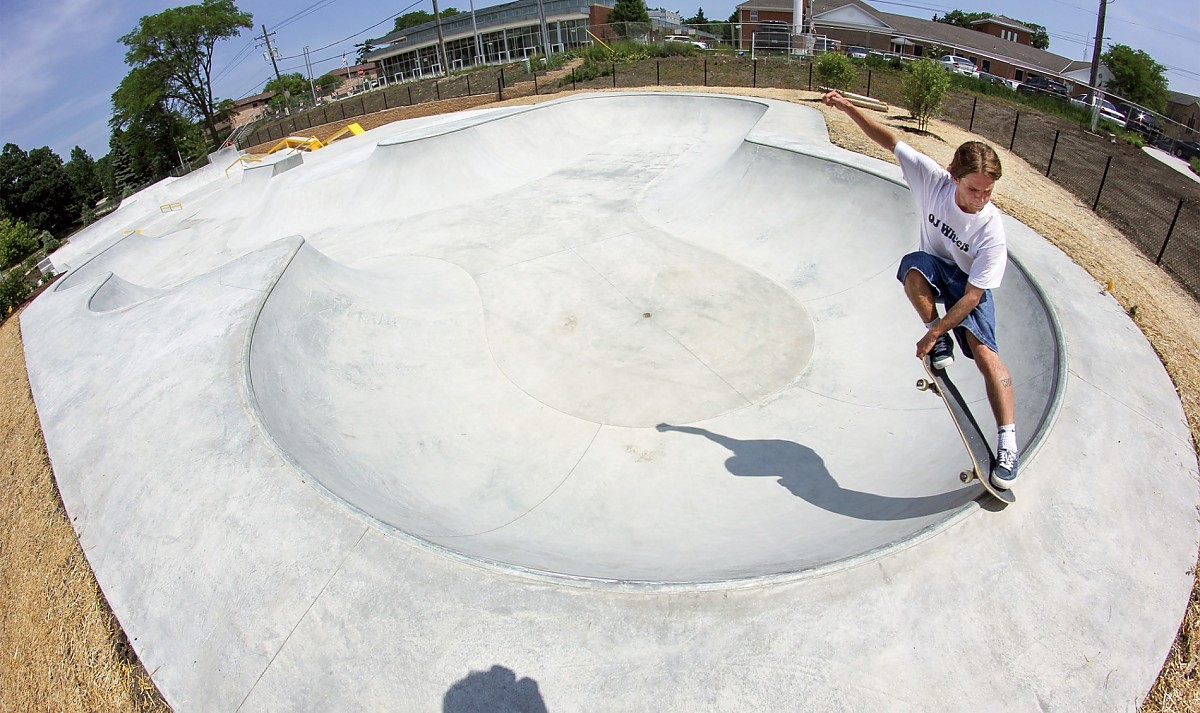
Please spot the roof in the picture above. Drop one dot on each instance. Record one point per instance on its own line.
(1181, 98)
(1006, 21)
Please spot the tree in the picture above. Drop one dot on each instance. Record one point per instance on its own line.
(1039, 38)
(17, 241)
(150, 130)
(420, 17)
(35, 188)
(629, 11)
(328, 82)
(365, 48)
(81, 169)
(835, 70)
(294, 84)
(1136, 77)
(699, 19)
(925, 84)
(178, 45)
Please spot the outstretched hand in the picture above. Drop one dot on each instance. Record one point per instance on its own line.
(926, 344)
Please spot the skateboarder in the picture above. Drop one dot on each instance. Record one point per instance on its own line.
(962, 256)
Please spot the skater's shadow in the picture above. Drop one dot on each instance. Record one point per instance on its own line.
(799, 469)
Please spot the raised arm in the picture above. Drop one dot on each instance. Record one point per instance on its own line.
(875, 131)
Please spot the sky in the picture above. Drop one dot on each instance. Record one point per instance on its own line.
(61, 61)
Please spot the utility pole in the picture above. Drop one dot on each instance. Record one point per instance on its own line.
(437, 15)
(308, 65)
(1093, 97)
(271, 52)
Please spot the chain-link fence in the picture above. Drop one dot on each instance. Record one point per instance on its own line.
(1153, 205)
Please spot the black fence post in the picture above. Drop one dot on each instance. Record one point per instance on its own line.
(362, 102)
(1016, 122)
(614, 73)
(658, 73)
(342, 106)
(1053, 149)
(1100, 190)
(573, 87)
(499, 88)
(971, 124)
(754, 76)
(410, 95)
(502, 76)
(868, 82)
(535, 84)
(437, 90)
(325, 113)
(1158, 260)
(706, 71)
(385, 104)
(810, 66)
(468, 85)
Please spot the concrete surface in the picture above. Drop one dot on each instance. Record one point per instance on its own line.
(604, 404)
(1174, 162)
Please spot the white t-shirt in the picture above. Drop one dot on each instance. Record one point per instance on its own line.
(973, 241)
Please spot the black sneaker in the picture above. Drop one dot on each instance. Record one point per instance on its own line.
(942, 355)
(1005, 473)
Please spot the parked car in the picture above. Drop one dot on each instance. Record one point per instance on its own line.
(856, 52)
(1108, 110)
(686, 40)
(999, 81)
(960, 65)
(1186, 150)
(1140, 120)
(1043, 85)
(773, 34)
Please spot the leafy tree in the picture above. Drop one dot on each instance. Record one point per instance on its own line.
(629, 11)
(420, 17)
(177, 44)
(294, 84)
(81, 169)
(365, 48)
(1136, 77)
(35, 188)
(835, 69)
(328, 82)
(151, 131)
(699, 19)
(925, 84)
(1040, 38)
(17, 241)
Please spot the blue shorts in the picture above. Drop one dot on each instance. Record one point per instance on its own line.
(950, 283)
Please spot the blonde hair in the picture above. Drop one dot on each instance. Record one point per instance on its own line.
(975, 157)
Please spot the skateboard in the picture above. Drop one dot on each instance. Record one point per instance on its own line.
(982, 459)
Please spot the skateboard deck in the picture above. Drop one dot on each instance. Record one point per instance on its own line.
(982, 459)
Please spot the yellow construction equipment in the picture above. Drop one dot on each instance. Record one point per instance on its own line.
(312, 143)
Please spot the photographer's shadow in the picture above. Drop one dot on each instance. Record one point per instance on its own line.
(799, 469)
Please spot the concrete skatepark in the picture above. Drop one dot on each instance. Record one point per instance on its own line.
(601, 404)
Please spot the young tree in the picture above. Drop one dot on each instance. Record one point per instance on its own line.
(419, 17)
(835, 70)
(925, 84)
(1136, 77)
(178, 43)
(17, 241)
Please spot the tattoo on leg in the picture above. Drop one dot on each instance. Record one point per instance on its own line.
(1006, 383)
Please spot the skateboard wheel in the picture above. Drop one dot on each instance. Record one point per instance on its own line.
(966, 476)
(922, 385)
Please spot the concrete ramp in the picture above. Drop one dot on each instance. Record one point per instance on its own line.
(614, 394)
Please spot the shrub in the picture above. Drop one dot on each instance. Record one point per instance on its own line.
(924, 86)
(835, 70)
(17, 240)
(1195, 166)
(13, 291)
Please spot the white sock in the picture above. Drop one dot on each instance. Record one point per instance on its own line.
(1007, 438)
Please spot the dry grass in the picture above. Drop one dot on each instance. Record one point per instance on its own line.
(63, 650)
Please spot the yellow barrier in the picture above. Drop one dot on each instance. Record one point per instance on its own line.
(240, 159)
(312, 143)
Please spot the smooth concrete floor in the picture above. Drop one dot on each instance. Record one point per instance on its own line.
(601, 404)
